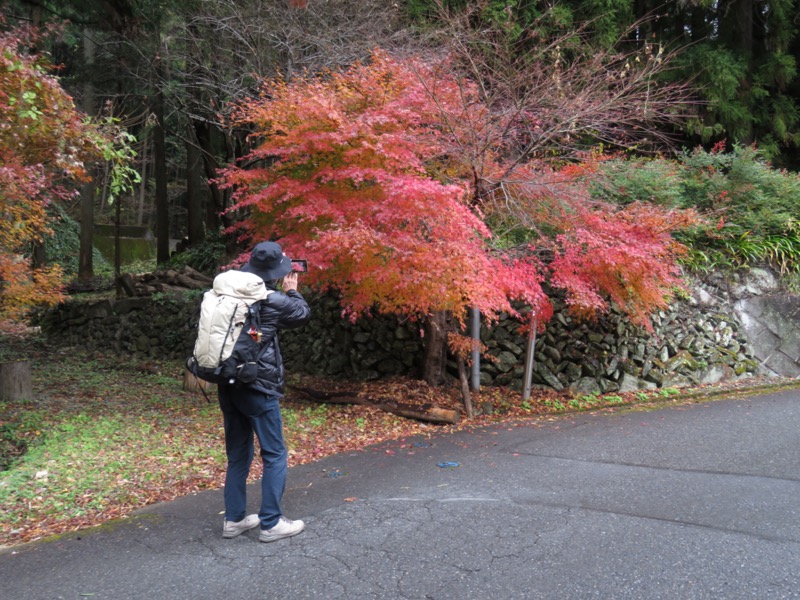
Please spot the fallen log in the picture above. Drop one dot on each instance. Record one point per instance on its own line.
(189, 283)
(195, 274)
(426, 413)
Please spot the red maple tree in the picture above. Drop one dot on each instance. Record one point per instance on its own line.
(340, 174)
(370, 174)
(44, 142)
(599, 253)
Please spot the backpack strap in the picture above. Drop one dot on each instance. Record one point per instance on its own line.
(255, 314)
(225, 341)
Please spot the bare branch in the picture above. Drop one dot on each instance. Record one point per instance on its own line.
(546, 100)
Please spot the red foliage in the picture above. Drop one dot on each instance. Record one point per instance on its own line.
(44, 142)
(356, 170)
(625, 255)
(603, 254)
(344, 183)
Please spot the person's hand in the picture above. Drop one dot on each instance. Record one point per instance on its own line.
(290, 282)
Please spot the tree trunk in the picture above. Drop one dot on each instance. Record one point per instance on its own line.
(118, 248)
(738, 32)
(39, 255)
(143, 183)
(36, 15)
(85, 264)
(698, 25)
(427, 413)
(742, 23)
(194, 188)
(160, 170)
(15, 381)
(465, 394)
(643, 9)
(433, 371)
(206, 135)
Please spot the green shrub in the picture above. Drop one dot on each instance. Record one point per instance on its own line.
(206, 258)
(754, 206)
(63, 245)
(751, 208)
(743, 188)
(624, 181)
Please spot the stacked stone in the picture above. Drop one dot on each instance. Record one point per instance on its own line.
(694, 342)
(685, 347)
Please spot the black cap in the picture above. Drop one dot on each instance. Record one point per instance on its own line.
(268, 261)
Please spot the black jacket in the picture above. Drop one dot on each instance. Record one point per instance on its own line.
(279, 311)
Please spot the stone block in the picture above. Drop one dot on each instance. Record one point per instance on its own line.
(573, 371)
(607, 386)
(505, 362)
(715, 374)
(676, 380)
(628, 383)
(511, 347)
(362, 337)
(655, 377)
(782, 365)
(790, 344)
(680, 360)
(126, 305)
(390, 366)
(548, 377)
(775, 313)
(98, 310)
(760, 281)
(585, 386)
(765, 344)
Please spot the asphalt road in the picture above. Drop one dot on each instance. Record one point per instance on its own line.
(692, 502)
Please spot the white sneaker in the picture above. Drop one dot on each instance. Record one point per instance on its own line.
(283, 528)
(233, 528)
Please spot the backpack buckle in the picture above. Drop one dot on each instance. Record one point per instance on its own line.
(255, 334)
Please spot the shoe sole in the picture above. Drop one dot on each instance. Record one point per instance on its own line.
(229, 536)
(232, 534)
(275, 537)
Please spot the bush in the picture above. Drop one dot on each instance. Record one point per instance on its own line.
(751, 208)
(740, 185)
(206, 258)
(756, 207)
(63, 245)
(624, 181)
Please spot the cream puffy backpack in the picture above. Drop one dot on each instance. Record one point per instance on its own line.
(228, 331)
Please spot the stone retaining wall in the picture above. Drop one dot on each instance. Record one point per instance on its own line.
(769, 316)
(692, 343)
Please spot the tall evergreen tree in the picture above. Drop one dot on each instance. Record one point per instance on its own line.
(742, 55)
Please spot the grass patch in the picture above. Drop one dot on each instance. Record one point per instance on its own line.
(98, 441)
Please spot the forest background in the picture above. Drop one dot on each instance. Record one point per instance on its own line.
(169, 74)
(674, 125)
(702, 115)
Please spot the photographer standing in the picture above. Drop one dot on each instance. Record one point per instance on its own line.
(255, 408)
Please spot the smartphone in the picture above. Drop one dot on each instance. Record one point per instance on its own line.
(299, 265)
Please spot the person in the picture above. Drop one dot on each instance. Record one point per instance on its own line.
(254, 408)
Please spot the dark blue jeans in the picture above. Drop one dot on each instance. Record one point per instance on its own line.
(244, 413)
